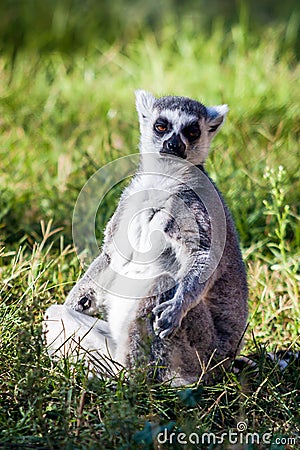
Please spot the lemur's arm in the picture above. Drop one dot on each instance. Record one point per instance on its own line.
(170, 313)
(197, 243)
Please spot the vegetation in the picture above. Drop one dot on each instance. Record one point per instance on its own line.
(63, 115)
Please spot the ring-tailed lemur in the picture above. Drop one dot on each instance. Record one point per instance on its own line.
(170, 278)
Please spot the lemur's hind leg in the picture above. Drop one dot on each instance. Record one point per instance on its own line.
(88, 294)
(145, 347)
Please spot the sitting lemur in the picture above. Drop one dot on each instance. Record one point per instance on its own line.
(170, 279)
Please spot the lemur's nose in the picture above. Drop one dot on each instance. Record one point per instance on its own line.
(174, 146)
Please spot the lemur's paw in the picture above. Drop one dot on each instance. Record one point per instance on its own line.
(168, 317)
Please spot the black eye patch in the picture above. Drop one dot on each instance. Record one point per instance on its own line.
(162, 126)
(192, 132)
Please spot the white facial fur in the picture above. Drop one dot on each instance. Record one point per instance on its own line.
(196, 151)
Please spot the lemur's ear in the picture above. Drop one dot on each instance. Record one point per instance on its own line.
(216, 117)
(144, 103)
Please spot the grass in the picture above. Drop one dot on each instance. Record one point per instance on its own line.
(63, 117)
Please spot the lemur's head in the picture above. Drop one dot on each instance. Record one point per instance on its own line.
(177, 126)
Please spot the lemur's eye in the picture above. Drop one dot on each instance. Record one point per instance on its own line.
(192, 132)
(161, 126)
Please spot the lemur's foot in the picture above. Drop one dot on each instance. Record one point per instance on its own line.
(86, 303)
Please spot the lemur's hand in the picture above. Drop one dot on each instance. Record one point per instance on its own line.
(168, 316)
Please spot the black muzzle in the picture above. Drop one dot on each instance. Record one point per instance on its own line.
(174, 146)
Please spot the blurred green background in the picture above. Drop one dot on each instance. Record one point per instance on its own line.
(69, 25)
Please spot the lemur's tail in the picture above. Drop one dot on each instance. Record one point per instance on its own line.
(282, 358)
(69, 333)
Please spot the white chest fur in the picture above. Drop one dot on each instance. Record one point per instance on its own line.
(140, 239)
(136, 248)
